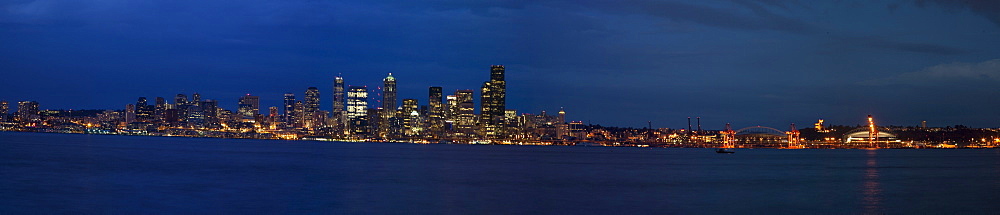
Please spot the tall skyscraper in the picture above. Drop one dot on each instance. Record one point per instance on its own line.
(411, 118)
(389, 93)
(465, 113)
(357, 110)
(494, 102)
(435, 113)
(195, 99)
(289, 106)
(562, 115)
(338, 95)
(249, 107)
(129, 113)
(180, 99)
(27, 111)
(4, 109)
(210, 110)
(311, 107)
(299, 112)
(160, 108)
(143, 111)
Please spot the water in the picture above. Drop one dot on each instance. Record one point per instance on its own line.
(91, 174)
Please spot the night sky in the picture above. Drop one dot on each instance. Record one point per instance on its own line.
(619, 63)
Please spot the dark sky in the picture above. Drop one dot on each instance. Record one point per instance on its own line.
(622, 63)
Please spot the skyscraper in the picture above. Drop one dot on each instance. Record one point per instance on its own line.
(389, 93)
(311, 107)
(289, 106)
(160, 108)
(4, 108)
(210, 110)
(27, 111)
(195, 99)
(129, 113)
(249, 107)
(465, 113)
(143, 111)
(180, 99)
(357, 110)
(411, 118)
(435, 114)
(494, 102)
(338, 95)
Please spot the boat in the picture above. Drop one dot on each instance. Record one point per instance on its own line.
(724, 151)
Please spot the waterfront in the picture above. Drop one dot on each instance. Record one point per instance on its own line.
(72, 173)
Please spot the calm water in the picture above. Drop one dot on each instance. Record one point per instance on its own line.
(87, 174)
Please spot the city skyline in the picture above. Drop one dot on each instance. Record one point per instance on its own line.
(742, 62)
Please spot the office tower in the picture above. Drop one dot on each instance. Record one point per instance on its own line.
(4, 108)
(129, 113)
(160, 108)
(210, 110)
(357, 110)
(195, 99)
(435, 112)
(272, 115)
(289, 106)
(143, 111)
(338, 95)
(311, 107)
(180, 99)
(465, 114)
(171, 116)
(27, 111)
(299, 113)
(195, 116)
(494, 102)
(389, 93)
(411, 117)
(249, 107)
(923, 124)
(562, 115)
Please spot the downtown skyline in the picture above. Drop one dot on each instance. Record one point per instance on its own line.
(743, 62)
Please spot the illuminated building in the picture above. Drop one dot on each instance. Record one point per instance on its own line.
(494, 102)
(143, 111)
(129, 113)
(272, 114)
(161, 106)
(310, 108)
(389, 93)
(338, 100)
(195, 116)
(4, 109)
(195, 99)
(289, 105)
(411, 118)
(923, 124)
(180, 99)
(249, 107)
(297, 110)
(210, 110)
(357, 110)
(562, 115)
(435, 114)
(465, 114)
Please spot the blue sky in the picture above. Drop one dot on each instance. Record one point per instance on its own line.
(746, 62)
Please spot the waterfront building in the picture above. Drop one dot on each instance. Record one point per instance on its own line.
(289, 108)
(411, 118)
(195, 116)
(357, 111)
(249, 107)
(129, 113)
(493, 103)
(4, 109)
(435, 113)
(310, 108)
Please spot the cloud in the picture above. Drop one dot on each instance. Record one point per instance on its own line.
(946, 74)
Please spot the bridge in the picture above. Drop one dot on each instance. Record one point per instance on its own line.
(760, 137)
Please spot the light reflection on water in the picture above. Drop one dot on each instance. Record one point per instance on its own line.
(871, 189)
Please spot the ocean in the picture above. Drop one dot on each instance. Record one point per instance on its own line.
(98, 174)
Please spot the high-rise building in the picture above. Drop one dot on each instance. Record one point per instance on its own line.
(272, 115)
(435, 113)
(195, 115)
(494, 102)
(180, 99)
(311, 107)
(389, 93)
(411, 118)
(129, 113)
(27, 111)
(249, 107)
(298, 111)
(4, 109)
(465, 113)
(210, 110)
(289, 106)
(160, 108)
(144, 111)
(195, 99)
(338, 95)
(357, 110)
(562, 115)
